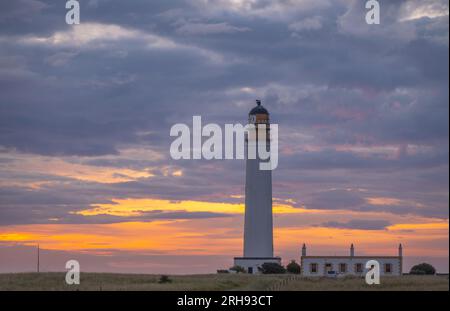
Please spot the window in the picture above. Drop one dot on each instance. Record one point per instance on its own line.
(388, 268)
(359, 268)
(342, 268)
(314, 268)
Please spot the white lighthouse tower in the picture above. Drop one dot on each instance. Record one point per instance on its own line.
(258, 228)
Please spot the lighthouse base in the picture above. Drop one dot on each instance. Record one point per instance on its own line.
(251, 264)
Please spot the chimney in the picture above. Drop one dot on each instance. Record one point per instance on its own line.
(304, 250)
(400, 250)
(352, 251)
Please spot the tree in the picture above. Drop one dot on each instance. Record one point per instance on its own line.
(424, 269)
(293, 267)
(271, 268)
(164, 279)
(238, 269)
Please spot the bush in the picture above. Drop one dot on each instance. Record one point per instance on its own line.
(164, 279)
(222, 271)
(271, 268)
(238, 269)
(417, 272)
(423, 269)
(293, 267)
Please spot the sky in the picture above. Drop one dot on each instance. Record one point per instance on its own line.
(86, 112)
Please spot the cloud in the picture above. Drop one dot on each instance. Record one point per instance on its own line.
(312, 23)
(21, 9)
(208, 29)
(271, 10)
(61, 58)
(414, 9)
(95, 34)
(358, 224)
(355, 111)
(336, 199)
(101, 36)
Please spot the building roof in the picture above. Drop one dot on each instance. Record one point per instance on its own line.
(259, 109)
(349, 257)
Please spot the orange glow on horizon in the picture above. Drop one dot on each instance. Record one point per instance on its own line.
(135, 207)
(218, 237)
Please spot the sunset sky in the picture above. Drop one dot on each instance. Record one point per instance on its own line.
(86, 111)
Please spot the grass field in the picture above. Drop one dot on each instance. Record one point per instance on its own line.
(129, 282)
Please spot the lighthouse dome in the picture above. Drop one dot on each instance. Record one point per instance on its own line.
(259, 109)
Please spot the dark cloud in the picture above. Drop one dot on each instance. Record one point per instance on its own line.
(358, 224)
(335, 85)
(336, 199)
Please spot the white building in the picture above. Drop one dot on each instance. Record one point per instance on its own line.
(258, 227)
(349, 265)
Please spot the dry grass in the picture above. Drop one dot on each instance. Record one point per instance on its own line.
(404, 283)
(117, 282)
(213, 282)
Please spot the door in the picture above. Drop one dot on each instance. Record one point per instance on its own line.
(328, 268)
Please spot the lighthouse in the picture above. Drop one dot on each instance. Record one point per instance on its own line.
(258, 224)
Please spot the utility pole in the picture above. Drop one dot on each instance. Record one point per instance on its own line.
(38, 258)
